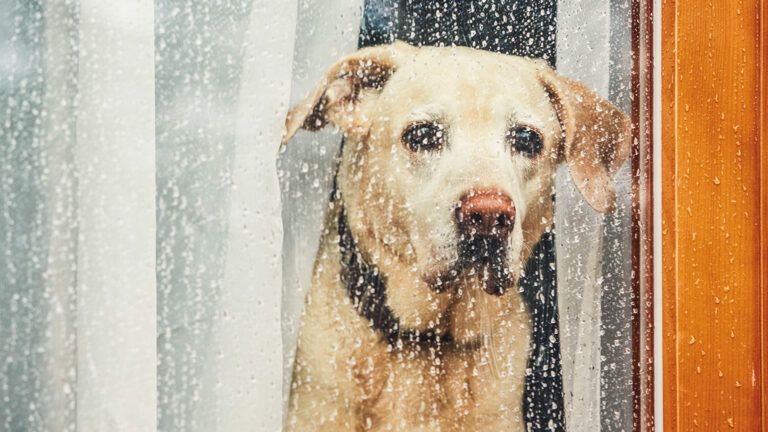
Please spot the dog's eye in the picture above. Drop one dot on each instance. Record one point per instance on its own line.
(525, 140)
(427, 136)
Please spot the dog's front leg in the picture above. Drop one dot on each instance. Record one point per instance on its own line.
(323, 396)
(320, 408)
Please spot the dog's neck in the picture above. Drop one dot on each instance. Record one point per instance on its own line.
(367, 290)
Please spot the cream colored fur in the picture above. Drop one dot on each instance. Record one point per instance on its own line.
(400, 206)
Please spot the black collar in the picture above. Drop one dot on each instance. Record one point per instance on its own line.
(367, 289)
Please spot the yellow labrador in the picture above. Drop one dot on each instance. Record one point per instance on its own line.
(414, 320)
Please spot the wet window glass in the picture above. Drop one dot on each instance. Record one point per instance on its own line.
(366, 215)
(458, 214)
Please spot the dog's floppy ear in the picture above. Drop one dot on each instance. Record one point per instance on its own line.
(596, 138)
(336, 97)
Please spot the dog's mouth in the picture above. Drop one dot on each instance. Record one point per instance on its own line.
(481, 255)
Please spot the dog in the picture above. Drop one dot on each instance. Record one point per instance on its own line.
(414, 320)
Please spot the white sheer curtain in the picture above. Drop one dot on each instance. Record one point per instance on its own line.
(115, 164)
(78, 227)
(111, 319)
(249, 339)
(593, 47)
(577, 224)
(78, 283)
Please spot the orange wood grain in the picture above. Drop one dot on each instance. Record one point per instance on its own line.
(764, 206)
(713, 187)
(669, 291)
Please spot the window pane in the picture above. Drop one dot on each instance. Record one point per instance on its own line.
(398, 207)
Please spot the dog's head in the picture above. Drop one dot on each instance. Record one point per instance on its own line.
(447, 173)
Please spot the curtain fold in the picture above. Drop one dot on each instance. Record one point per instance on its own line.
(585, 275)
(61, 21)
(24, 220)
(115, 159)
(77, 293)
(248, 329)
(198, 66)
(326, 30)
(595, 283)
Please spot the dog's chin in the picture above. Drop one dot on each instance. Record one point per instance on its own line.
(481, 307)
(445, 278)
(477, 296)
(494, 278)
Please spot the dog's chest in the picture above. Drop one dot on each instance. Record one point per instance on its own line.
(431, 391)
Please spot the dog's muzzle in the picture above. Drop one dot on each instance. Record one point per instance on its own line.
(485, 219)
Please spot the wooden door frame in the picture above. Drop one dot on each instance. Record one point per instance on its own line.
(642, 215)
(714, 109)
(763, 52)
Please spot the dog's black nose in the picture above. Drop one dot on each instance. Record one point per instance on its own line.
(485, 213)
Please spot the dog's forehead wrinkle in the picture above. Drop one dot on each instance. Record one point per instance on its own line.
(482, 78)
(428, 111)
